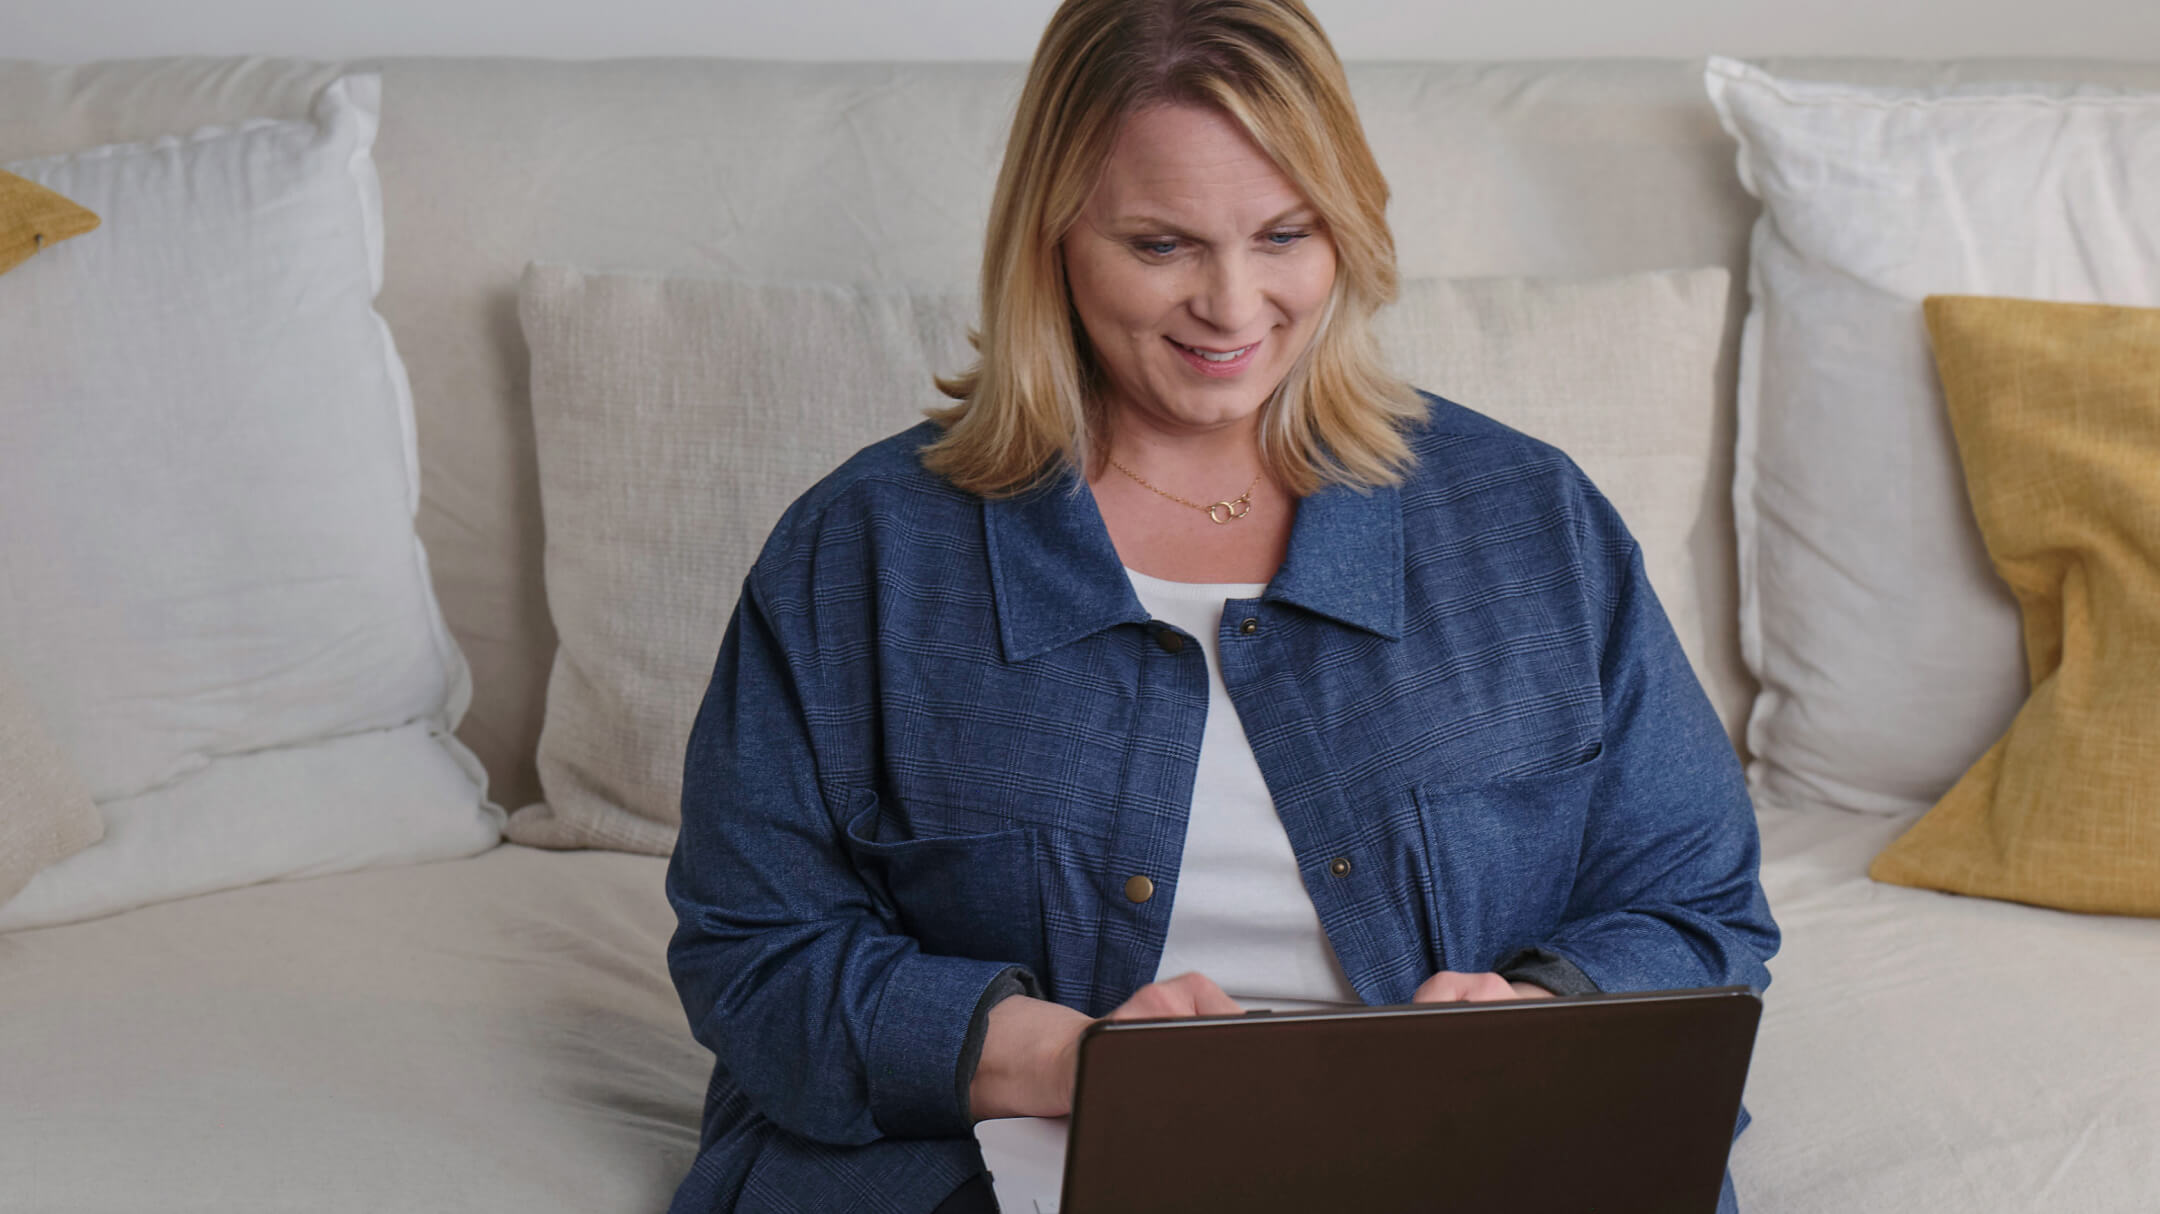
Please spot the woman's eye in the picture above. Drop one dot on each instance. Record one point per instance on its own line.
(1157, 248)
(1283, 240)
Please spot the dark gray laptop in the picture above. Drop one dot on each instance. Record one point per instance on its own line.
(1619, 1104)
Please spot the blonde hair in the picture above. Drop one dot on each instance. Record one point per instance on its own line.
(1032, 397)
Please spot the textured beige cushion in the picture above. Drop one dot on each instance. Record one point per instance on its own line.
(677, 417)
(46, 813)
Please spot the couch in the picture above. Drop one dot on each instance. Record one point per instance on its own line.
(500, 1033)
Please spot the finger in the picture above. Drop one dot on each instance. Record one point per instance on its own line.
(1208, 999)
(1156, 999)
(1446, 986)
(1489, 988)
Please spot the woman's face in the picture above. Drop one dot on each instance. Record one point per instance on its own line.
(1198, 270)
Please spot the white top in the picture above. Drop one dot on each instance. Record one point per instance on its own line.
(1241, 914)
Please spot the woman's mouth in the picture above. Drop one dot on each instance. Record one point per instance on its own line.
(1215, 362)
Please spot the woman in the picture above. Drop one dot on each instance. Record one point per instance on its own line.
(1188, 659)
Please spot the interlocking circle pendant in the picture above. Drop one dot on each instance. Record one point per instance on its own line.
(1235, 508)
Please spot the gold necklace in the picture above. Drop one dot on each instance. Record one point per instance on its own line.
(1219, 512)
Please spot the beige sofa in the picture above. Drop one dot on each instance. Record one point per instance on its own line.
(499, 1033)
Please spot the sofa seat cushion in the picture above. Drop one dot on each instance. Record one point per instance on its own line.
(1926, 1051)
(497, 1033)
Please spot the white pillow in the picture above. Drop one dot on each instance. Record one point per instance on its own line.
(1889, 654)
(206, 503)
(677, 417)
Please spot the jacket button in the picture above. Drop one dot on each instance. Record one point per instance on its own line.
(1171, 642)
(1339, 866)
(1248, 626)
(1139, 889)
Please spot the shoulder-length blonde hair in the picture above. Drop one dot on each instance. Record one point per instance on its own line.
(1033, 395)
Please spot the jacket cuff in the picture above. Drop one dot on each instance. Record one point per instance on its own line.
(1014, 981)
(1547, 969)
(917, 1037)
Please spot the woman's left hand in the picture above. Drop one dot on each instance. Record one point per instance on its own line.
(1447, 986)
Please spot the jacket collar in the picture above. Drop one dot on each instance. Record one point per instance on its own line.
(1057, 578)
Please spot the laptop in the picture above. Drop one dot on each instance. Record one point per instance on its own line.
(1615, 1103)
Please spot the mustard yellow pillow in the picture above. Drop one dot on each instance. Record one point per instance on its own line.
(32, 217)
(2056, 408)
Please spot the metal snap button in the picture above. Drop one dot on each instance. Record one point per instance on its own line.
(1248, 626)
(1339, 866)
(1171, 642)
(1139, 888)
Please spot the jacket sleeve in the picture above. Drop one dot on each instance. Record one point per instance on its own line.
(1667, 892)
(837, 1026)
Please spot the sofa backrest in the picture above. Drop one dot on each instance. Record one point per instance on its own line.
(882, 173)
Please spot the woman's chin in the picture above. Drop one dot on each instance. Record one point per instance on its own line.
(1205, 416)
(1210, 407)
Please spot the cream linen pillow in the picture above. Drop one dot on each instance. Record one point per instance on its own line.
(1886, 648)
(2057, 413)
(45, 812)
(207, 489)
(677, 417)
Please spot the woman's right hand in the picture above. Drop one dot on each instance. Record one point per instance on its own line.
(1031, 1052)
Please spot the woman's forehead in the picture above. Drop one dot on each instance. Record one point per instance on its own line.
(1190, 164)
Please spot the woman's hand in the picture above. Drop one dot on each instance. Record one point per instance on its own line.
(1447, 986)
(1031, 1052)
(1184, 995)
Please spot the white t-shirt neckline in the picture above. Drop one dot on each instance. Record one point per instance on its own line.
(1241, 913)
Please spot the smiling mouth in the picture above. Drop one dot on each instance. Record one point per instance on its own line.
(1213, 356)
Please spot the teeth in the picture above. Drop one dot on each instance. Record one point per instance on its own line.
(1220, 358)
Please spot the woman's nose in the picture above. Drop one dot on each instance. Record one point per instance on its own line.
(1229, 297)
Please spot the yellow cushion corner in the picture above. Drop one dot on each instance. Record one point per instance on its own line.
(2056, 409)
(33, 217)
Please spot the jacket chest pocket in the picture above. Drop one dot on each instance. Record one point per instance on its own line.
(1503, 859)
(968, 895)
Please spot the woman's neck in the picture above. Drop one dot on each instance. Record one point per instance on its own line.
(1146, 470)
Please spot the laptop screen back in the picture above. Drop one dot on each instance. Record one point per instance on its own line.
(1623, 1104)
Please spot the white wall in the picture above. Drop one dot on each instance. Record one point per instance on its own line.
(75, 30)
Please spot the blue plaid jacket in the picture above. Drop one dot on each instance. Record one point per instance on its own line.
(942, 735)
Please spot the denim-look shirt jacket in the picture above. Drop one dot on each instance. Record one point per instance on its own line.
(943, 736)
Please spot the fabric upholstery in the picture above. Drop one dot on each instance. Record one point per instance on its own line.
(1886, 647)
(1922, 1052)
(500, 1034)
(495, 1035)
(45, 812)
(32, 217)
(677, 418)
(2057, 414)
(672, 432)
(206, 521)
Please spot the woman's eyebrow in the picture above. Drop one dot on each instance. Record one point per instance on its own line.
(1157, 224)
